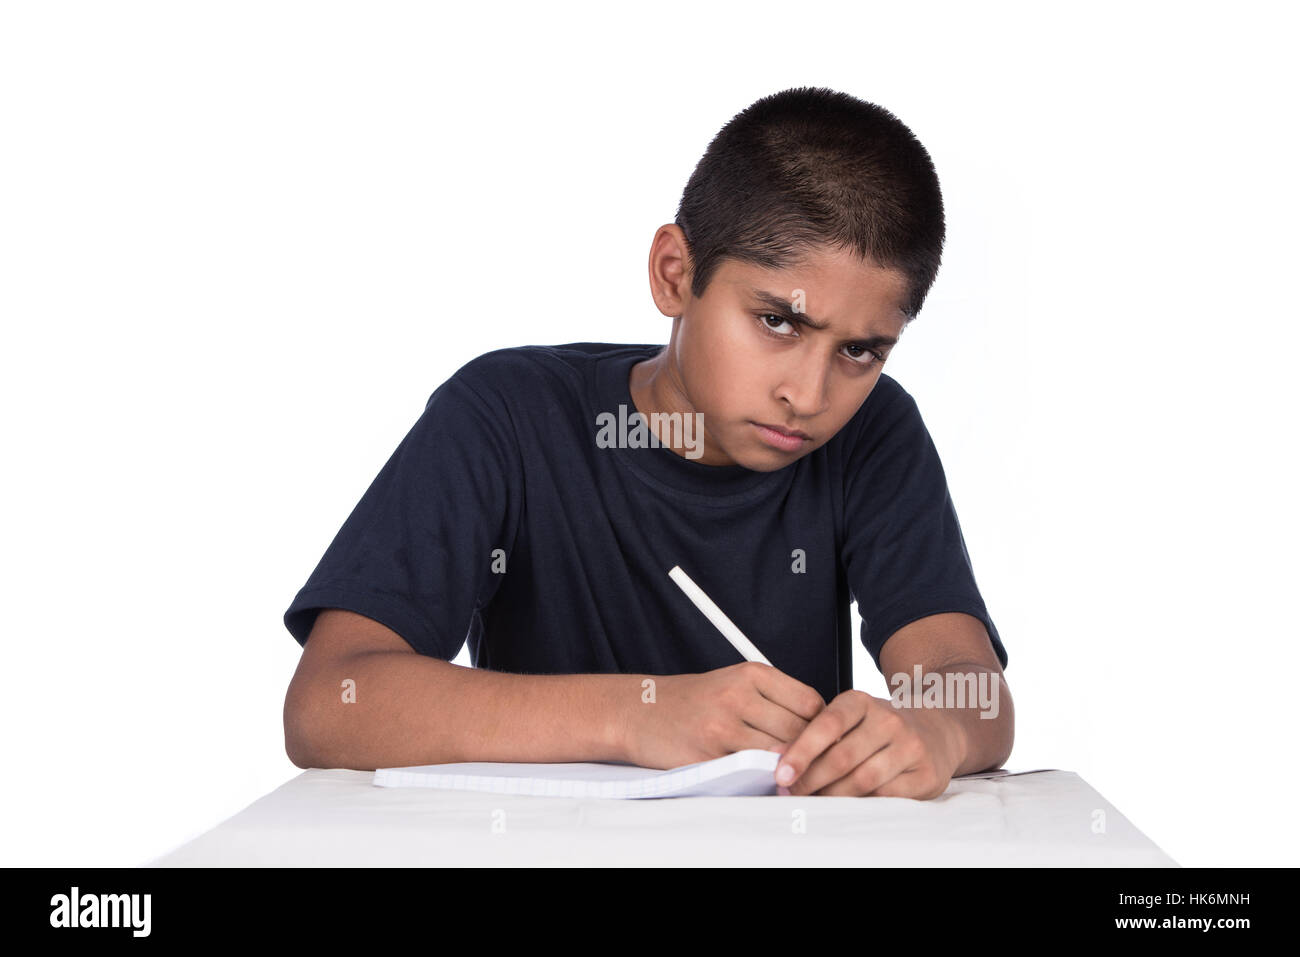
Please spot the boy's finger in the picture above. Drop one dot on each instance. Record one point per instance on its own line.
(840, 763)
(833, 722)
(790, 693)
(878, 770)
(781, 723)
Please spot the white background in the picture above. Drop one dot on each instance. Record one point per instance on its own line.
(241, 244)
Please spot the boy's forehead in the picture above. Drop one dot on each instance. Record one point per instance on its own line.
(837, 282)
(817, 266)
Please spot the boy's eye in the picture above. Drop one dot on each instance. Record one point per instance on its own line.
(857, 356)
(766, 316)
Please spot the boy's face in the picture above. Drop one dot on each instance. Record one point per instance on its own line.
(737, 355)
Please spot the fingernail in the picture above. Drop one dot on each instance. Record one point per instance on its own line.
(783, 792)
(784, 774)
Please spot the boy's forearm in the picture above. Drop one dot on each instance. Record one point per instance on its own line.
(412, 709)
(986, 741)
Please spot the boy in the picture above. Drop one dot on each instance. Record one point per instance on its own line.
(543, 495)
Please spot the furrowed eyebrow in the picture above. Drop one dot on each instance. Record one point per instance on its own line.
(781, 307)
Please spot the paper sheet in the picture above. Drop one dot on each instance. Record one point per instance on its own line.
(744, 773)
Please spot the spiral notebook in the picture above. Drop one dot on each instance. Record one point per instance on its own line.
(740, 774)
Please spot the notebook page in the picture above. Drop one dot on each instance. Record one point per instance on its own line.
(743, 773)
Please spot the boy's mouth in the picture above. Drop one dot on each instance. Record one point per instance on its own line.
(787, 440)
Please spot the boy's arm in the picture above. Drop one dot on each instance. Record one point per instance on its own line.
(401, 708)
(958, 644)
(412, 709)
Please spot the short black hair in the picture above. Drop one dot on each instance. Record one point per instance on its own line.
(811, 167)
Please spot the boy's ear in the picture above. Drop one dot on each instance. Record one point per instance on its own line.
(670, 270)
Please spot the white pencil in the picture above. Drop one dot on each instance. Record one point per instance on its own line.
(724, 624)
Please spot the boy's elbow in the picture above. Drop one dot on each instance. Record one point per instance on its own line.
(298, 745)
(1008, 726)
(297, 753)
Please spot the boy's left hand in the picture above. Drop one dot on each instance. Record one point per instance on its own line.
(859, 745)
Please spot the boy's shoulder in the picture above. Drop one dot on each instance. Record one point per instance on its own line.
(886, 390)
(516, 370)
(530, 359)
(887, 401)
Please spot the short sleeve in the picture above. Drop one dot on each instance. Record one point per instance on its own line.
(904, 554)
(417, 552)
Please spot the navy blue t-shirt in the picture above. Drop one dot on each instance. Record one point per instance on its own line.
(501, 520)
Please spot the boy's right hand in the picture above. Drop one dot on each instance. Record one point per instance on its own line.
(704, 716)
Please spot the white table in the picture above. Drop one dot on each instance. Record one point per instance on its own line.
(338, 818)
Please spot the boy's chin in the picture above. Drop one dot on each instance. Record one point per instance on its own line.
(765, 460)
